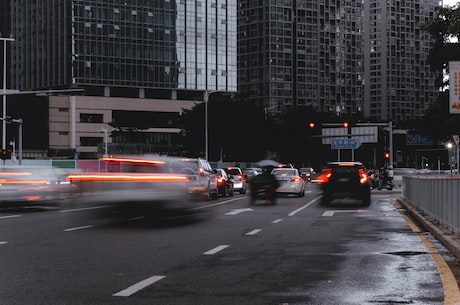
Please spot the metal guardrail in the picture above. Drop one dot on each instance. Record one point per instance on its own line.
(437, 195)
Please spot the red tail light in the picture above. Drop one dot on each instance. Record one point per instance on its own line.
(363, 178)
(325, 175)
(240, 177)
(295, 179)
(220, 180)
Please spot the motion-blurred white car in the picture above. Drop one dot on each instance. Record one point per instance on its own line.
(25, 186)
(290, 181)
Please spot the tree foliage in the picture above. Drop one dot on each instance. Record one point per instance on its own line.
(445, 30)
(239, 131)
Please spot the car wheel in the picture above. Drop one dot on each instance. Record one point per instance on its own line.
(325, 200)
(211, 194)
(301, 193)
(243, 191)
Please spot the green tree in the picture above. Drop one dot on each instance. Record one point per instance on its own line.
(445, 30)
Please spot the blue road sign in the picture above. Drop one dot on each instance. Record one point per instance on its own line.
(345, 144)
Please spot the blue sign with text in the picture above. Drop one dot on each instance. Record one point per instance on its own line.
(345, 143)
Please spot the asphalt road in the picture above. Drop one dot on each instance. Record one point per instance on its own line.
(224, 252)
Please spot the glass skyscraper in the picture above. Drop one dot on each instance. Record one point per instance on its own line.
(301, 53)
(348, 57)
(148, 44)
(399, 84)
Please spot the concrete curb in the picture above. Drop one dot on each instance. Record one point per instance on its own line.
(440, 231)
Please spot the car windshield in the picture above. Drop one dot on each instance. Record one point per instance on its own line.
(233, 171)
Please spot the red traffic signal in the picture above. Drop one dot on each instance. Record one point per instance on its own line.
(312, 125)
(345, 124)
(5, 154)
(387, 155)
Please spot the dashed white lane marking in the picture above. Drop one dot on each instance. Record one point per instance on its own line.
(216, 250)
(77, 228)
(137, 218)
(253, 232)
(238, 211)
(3, 242)
(304, 206)
(277, 220)
(10, 216)
(217, 204)
(138, 286)
(331, 213)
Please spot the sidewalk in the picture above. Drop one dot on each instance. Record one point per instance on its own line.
(447, 235)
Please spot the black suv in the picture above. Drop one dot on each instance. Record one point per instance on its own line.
(342, 180)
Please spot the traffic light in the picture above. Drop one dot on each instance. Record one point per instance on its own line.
(5, 154)
(345, 124)
(387, 155)
(312, 125)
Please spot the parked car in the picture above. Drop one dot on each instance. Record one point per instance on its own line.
(224, 183)
(307, 173)
(239, 183)
(290, 181)
(341, 180)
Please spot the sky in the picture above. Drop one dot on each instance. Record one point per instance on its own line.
(450, 2)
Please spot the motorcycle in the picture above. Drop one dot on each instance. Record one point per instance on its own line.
(263, 192)
(263, 187)
(388, 185)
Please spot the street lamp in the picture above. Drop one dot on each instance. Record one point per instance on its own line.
(449, 147)
(4, 91)
(104, 130)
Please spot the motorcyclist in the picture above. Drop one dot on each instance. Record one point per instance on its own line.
(265, 183)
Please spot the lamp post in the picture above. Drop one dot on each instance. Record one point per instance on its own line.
(449, 147)
(4, 91)
(104, 130)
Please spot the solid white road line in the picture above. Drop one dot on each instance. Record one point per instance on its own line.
(10, 216)
(304, 207)
(277, 220)
(138, 286)
(77, 228)
(253, 232)
(84, 209)
(215, 250)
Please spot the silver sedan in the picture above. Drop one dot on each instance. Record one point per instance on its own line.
(290, 181)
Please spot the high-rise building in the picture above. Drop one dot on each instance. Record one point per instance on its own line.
(298, 52)
(133, 55)
(348, 57)
(399, 84)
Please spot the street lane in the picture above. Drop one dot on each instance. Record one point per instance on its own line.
(294, 252)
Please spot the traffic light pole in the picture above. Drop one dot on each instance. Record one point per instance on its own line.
(390, 137)
(19, 122)
(346, 125)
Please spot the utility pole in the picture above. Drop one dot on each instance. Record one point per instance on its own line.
(5, 40)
